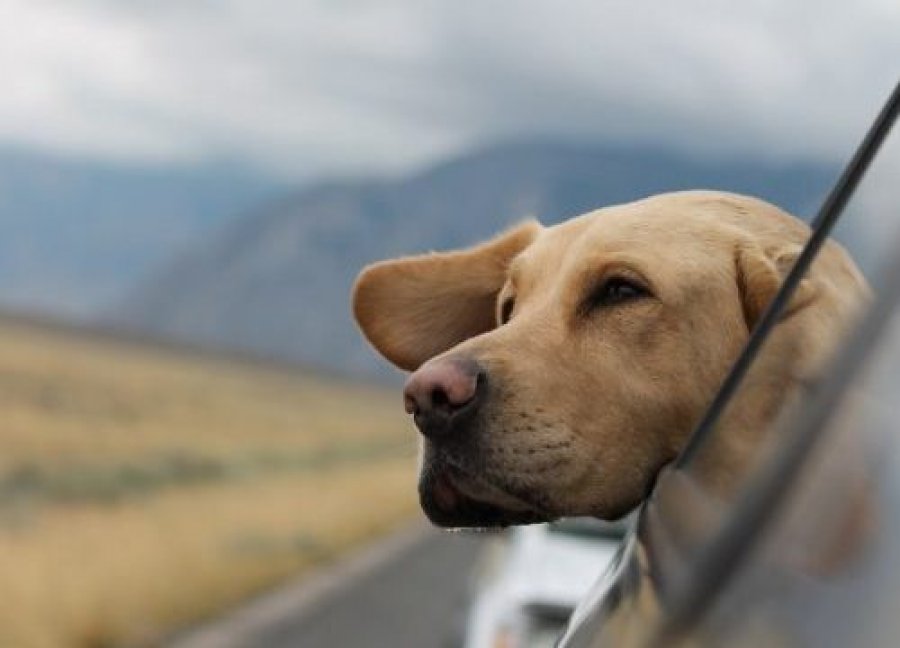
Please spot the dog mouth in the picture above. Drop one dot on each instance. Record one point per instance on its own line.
(456, 498)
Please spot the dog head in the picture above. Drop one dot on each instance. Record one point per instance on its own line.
(556, 370)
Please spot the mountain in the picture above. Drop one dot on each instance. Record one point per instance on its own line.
(78, 234)
(277, 282)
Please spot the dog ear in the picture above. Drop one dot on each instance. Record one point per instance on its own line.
(414, 308)
(760, 274)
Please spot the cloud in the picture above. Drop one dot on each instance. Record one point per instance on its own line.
(315, 86)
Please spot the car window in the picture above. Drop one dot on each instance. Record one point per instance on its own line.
(811, 528)
(667, 569)
(825, 562)
(863, 197)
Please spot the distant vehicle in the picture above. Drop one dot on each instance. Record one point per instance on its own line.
(533, 577)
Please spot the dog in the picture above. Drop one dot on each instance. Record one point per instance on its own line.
(556, 370)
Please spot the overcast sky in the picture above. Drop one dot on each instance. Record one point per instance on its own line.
(310, 87)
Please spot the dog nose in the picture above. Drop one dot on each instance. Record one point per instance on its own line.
(440, 391)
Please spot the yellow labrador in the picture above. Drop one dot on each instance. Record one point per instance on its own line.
(556, 370)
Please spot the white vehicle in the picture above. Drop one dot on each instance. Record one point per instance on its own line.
(532, 577)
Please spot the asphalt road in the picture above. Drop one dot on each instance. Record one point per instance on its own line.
(409, 592)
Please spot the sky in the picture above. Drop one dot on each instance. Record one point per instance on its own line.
(317, 87)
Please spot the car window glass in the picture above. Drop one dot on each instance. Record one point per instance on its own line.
(699, 497)
(826, 563)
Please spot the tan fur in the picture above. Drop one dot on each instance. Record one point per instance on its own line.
(412, 309)
(586, 407)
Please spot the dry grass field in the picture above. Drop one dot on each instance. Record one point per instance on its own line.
(142, 488)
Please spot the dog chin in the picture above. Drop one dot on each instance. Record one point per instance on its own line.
(453, 500)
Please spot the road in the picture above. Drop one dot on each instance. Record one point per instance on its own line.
(407, 591)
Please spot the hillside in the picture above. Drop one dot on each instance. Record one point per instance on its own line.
(142, 489)
(78, 234)
(277, 282)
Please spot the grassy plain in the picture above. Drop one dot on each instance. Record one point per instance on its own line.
(142, 488)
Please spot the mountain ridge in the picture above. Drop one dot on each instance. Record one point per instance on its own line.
(79, 232)
(277, 281)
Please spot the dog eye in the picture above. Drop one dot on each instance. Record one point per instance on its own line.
(506, 309)
(615, 290)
